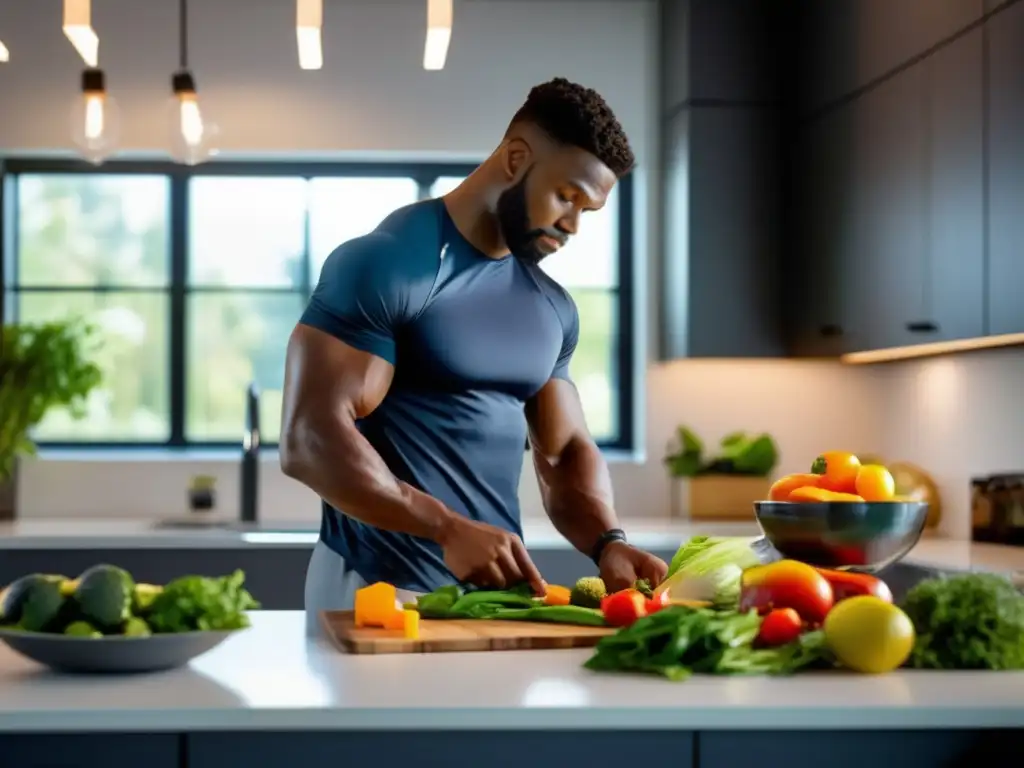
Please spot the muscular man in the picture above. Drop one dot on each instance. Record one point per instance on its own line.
(431, 347)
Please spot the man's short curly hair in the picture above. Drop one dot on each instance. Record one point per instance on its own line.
(578, 116)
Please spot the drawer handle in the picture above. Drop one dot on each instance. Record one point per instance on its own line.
(923, 327)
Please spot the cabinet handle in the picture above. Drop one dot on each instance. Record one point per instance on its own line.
(923, 327)
(831, 330)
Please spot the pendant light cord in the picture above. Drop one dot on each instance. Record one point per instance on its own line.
(183, 33)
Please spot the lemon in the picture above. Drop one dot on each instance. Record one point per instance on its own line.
(868, 634)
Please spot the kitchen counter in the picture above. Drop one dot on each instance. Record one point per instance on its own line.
(538, 533)
(272, 677)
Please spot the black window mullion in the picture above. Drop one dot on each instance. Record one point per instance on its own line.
(626, 348)
(179, 204)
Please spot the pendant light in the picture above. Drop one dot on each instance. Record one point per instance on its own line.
(192, 134)
(5, 55)
(309, 15)
(78, 29)
(95, 118)
(439, 33)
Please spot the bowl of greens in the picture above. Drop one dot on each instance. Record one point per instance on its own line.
(103, 621)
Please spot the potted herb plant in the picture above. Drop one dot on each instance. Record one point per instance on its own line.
(42, 366)
(725, 484)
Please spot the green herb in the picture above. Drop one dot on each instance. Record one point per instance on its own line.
(677, 642)
(967, 621)
(42, 366)
(738, 454)
(201, 603)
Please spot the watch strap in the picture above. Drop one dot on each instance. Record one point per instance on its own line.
(606, 538)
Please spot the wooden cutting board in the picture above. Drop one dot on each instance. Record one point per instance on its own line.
(442, 636)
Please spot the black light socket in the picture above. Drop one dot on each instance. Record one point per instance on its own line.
(183, 82)
(93, 81)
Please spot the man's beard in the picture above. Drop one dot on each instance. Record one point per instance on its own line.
(514, 223)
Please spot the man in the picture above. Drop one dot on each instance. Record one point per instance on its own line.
(426, 341)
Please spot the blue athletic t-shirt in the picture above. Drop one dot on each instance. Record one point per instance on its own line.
(471, 339)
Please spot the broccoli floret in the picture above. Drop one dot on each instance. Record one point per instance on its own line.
(643, 586)
(588, 592)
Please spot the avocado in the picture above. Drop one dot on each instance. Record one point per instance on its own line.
(82, 629)
(12, 599)
(104, 595)
(143, 597)
(136, 627)
(43, 606)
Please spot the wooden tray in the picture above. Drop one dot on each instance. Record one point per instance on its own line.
(443, 636)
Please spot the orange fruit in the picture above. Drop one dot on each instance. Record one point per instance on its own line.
(875, 483)
(838, 470)
(785, 485)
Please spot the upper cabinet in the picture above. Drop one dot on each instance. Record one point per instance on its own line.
(889, 225)
(1006, 171)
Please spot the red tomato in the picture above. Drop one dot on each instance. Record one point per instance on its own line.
(787, 584)
(781, 626)
(623, 608)
(656, 603)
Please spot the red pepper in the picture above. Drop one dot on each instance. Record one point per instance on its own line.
(656, 603)
(779, 627)
(623, 608)
(849, 584)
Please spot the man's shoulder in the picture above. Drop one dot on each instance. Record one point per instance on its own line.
(557, 294)
(401, 246)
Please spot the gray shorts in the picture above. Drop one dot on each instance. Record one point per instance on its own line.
(331, 586)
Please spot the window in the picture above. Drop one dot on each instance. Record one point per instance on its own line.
(196, 277)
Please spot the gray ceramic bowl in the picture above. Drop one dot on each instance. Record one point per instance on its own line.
(863, 536)
(67, 653)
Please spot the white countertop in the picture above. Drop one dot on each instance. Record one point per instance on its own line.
(648, 533)
(272, 677)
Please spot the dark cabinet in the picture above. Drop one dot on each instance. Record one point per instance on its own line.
(1006, 171)
(818, 303)
(889, 218)
(719, 287)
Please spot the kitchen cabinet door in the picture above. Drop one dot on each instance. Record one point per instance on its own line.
(1006, 171)
(822, 228)
(919, 202)
(952, 298)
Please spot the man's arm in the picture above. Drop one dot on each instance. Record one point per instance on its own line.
(328, 386)
(574, 480)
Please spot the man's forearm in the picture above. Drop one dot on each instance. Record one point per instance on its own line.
(333, 459)
(577, 494)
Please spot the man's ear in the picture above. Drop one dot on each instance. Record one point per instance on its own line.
(515, 159)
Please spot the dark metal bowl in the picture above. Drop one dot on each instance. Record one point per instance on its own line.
(114, 654)
(863, 536)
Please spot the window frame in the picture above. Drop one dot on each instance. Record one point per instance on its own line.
(178, 288)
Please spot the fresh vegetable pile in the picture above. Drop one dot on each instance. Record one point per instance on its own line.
(106, 601)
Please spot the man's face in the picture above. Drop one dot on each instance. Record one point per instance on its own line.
(539, 213)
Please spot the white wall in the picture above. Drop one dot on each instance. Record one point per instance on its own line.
(373, 97)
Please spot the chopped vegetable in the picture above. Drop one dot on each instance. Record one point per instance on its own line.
(556, 614)
(851, 584)
(588, 592)
(193, 603)
(967, 621)
(623, 608)
(709, 568)
(374, 604)
(677, 642)
(780, 626)
(787, 584)
(557, 595)
(516, 604)
(405, 621)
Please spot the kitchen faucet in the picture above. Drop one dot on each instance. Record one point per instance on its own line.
(250, 469)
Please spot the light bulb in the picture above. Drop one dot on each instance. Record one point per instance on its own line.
(193, 135)
(95, 119)
(5, 55)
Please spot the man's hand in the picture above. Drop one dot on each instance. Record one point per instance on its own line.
(487, 556)
(622, 564)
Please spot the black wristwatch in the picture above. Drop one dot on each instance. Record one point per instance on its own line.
(606, 538)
